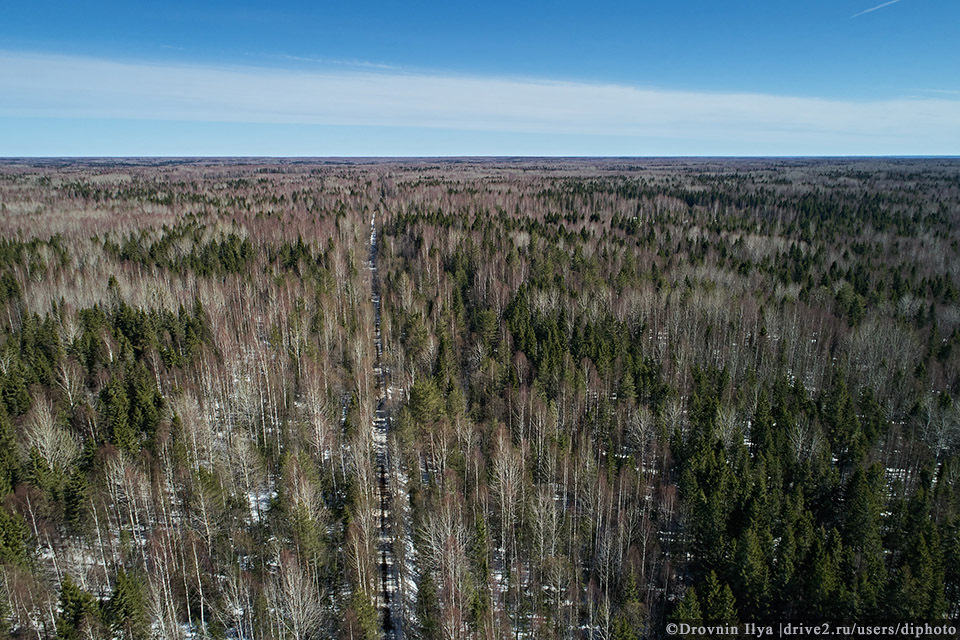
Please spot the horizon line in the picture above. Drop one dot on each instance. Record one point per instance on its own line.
(7, 159)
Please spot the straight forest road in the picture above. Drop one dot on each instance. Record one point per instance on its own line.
(391, 606)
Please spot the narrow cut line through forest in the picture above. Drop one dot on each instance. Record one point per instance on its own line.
(614, 395)
(390, 604)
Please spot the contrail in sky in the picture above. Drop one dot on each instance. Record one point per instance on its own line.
(879, 6)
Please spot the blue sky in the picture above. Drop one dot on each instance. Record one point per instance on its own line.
(839, 77)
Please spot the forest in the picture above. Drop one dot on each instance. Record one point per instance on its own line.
(476, 398)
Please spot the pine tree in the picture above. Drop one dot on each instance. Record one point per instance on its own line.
(146, 402)
(366, 616)
(917, 583)
(822, 580)
(843, 426)
(628, 390)
(427, 606)
(951, 565)
(630, 620)
(13, 536)
(688, 609)
(75, 500)
(9, 465)
(753, 575)
(426, 402)
(719, 605)
(862, 539)
(873, 421)
(790, 569)
(918, 588)
(80, 615)
(39, 474)
(761, 429)
(126, 611)
(116, 410)
(13, 390)
(622, 629)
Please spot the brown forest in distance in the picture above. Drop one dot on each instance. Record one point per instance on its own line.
(476, 398)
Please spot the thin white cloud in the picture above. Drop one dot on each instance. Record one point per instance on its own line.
(335, 61)
(322, 61)
(879, 6)
(55, 86)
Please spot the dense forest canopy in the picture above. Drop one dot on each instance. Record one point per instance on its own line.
(614, 394)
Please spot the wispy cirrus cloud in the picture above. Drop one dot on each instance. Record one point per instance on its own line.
(879, 6)
(340, 62)
(57, 86)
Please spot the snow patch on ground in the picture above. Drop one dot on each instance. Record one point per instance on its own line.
(260, 503)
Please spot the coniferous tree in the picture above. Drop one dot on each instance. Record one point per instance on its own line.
(126, 610)
(13, 537)
(115, 405)
(80, 615)
(9, 465)
(753, 575)
(688, 609)
(863, 541)
(719, 604)
(427, 606)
